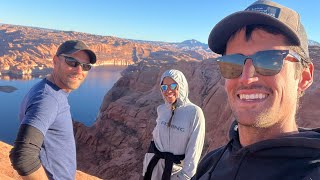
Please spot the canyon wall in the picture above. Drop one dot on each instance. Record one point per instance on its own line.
(29, 50)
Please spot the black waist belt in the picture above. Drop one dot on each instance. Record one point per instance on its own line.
(169, 160)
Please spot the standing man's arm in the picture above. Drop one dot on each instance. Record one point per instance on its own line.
(25, 155)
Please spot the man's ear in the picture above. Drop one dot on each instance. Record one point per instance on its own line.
(55, 60)
(306, 78)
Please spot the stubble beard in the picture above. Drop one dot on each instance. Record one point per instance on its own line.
(265, 119)
(73, 85)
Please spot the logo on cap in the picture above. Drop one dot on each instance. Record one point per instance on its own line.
(265, 9)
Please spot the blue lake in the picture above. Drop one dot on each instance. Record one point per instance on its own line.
(85, 101)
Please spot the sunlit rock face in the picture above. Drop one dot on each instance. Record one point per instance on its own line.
(29, 50)
(6, 170)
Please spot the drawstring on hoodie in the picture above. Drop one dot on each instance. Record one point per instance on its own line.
(173, 107)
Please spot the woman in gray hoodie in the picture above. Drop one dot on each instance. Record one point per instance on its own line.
(179, 134)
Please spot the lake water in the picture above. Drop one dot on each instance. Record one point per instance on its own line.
(85, 101)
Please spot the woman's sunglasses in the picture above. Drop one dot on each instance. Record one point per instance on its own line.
(172, 86)
(266, 63)
(74, 63)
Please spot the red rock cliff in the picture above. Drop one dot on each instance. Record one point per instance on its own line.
(29, 50)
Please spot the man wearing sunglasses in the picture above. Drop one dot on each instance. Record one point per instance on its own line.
(45, 144)
(266, 66)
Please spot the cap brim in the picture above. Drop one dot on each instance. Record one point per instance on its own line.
(222, 31)
(92, 56)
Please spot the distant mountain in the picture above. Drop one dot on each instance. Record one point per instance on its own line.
(29, 50)
(193, 42)
(313, 43)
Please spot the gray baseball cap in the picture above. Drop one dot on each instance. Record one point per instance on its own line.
(71, 46)
(262, 12)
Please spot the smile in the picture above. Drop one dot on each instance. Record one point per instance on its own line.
(74, 77)
(257, 96)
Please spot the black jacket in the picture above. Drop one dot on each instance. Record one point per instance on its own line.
(293, 157)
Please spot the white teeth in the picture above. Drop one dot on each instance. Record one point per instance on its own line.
(74, 77)
(252, 96)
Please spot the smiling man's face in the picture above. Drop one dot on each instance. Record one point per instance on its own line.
(257, 100)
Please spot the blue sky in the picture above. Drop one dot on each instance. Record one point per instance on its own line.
(154, 20)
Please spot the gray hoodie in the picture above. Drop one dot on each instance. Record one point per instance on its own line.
(184, 136)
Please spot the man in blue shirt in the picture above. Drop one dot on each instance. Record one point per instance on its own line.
(45, 144)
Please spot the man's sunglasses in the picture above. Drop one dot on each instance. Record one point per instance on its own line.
(74, 63)
(266, 63)
(172, 86)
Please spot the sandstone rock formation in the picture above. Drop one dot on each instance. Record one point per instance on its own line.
(8, 173)
(29, 50)
(113, 148)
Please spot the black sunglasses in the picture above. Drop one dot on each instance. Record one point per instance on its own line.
(266, 63)
(74, 63)
(172, 86)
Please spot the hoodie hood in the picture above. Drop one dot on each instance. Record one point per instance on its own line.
(183, 89)
(306, 143)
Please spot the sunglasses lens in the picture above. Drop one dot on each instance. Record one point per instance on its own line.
(269, 63)
(86, 67)
(71, 62)
(74, 63)
(164, 87)
(173, 86)
(231, 65)
(266, 63)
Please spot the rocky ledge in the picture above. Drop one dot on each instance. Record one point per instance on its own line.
(8, 173)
